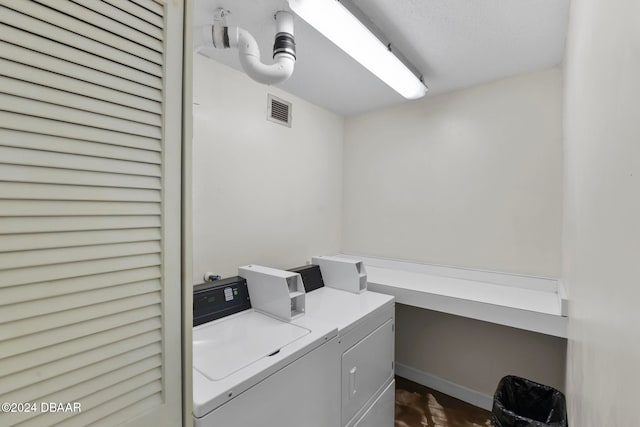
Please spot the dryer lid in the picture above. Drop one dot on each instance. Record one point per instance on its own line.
(228, 345)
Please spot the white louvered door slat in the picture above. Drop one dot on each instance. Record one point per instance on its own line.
(78, 24)
(73, 115)
(68, 302)
(86, 162)
(63, 98)
(29, 123)
(72, 177)
(91, 150)
(87, 373)
(150, 5)
(135, 9)
(21, 72)
(126, 18)
(139, 398)
(85, 268)
(28, 377)
(31, 208)
(22, 242)
(63, 351)
(22, 190)
(134, 376)
(53, 288)
(84, 327)
(64, 67)
(37, 257)
(74, 55)
(29, 19)
(44, 224)
(103, 21)
(90, 154)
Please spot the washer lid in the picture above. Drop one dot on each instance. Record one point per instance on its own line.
(227, 345)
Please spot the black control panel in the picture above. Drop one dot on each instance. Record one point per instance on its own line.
(221, 298)
(311, 276)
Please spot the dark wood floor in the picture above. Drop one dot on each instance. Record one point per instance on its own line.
(419, 406)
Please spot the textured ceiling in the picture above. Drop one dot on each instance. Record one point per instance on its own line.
(453, 43)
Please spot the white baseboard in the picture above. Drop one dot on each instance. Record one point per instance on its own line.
(445, 386)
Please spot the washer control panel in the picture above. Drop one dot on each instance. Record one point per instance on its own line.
(221, 298)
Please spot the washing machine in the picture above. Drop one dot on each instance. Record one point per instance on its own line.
(336, 292)
(253, 369)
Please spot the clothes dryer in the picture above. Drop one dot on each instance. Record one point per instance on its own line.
(366, 340)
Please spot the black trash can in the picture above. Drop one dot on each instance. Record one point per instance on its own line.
(519, 402)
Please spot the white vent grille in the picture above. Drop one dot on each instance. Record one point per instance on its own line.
(279, 111)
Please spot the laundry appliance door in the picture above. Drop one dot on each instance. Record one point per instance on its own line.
(304, 393)
(381, 412)
(366, 368)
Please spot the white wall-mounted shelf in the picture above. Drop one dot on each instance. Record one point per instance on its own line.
(529, 303)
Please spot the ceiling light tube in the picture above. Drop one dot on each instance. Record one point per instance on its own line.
(337, 24)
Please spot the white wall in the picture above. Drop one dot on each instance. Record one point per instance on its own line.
(471, 178)
(602, 212)
(262, 193)
(473, 353)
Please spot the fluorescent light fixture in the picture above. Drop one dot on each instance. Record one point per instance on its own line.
(336, 23)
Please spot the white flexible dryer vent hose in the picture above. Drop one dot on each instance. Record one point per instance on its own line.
(284, 48)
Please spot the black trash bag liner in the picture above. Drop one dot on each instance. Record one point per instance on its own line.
(519, 402)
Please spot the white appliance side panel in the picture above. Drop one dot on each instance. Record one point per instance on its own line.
(382, 412)
(366, 367)
(304, 393)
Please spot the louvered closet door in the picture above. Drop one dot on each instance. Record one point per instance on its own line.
(90, 110)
